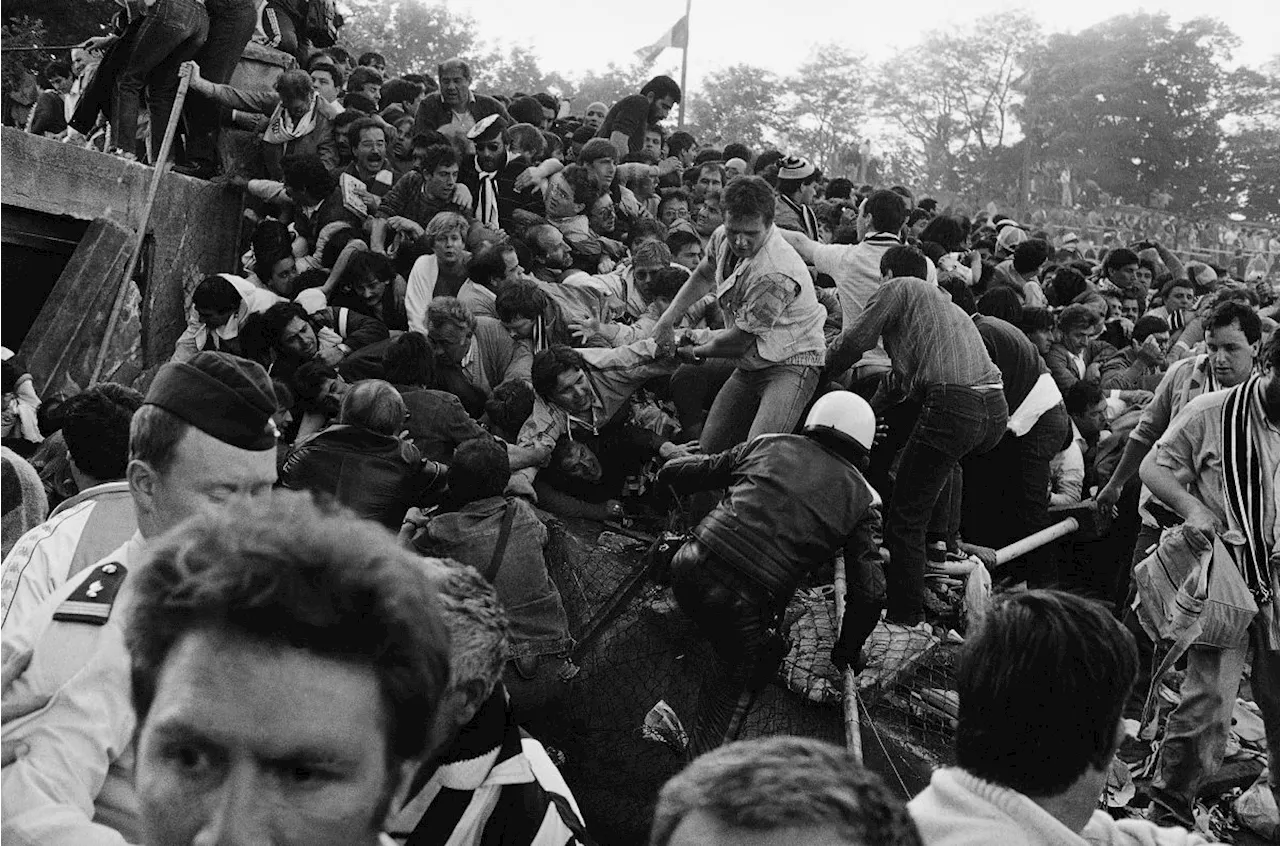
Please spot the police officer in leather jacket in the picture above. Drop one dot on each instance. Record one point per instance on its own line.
(793, 502)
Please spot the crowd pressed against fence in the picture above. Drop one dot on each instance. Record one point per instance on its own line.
(320, 579)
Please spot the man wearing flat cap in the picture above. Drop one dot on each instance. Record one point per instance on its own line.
(202, 439)
(503, 152)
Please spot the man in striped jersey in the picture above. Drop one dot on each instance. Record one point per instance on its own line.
(487, 781)
(93, 523)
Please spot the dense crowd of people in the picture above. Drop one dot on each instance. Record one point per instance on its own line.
(300, 589)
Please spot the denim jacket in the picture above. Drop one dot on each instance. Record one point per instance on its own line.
(539, 625)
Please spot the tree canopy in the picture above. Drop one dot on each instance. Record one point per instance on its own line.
(1137, 104)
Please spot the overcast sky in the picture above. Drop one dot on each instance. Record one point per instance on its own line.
(573, 35)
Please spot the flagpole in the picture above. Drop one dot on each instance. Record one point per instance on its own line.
(684, 62)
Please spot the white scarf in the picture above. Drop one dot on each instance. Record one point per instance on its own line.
(487, 201)
(282, 129)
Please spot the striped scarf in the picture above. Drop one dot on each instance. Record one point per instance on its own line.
(492, 742)
(1243, 485)
(487, 200)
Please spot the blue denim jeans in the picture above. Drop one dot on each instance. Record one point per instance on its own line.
(231, 24)
(1195, 739)
(170, 34)
(758, 402)
(954, 422)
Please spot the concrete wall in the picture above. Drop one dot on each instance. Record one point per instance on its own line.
(195, 224)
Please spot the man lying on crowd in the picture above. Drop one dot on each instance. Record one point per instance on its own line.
(220, 306)
(583, 390)
(779, 791)
(294, 653)
(794, 502)
(1042, 686)
(485, 780)
(285, 337)
(503, 539)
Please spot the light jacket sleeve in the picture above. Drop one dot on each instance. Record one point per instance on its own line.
(87, 726)
(422, 287)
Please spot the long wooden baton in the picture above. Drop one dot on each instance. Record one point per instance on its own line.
(849, 694)
(162, 165)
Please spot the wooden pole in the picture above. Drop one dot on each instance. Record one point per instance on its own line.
(161, 165)
(849, 693)
(684, 62)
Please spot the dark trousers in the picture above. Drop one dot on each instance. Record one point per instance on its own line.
(740, 619)
(954, 422)
(231, 24)
(1006, 494)
(170, 34)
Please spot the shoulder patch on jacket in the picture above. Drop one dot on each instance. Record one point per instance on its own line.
(93, 600)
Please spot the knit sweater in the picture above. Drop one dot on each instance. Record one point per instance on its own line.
(25, 502)
(957, 809)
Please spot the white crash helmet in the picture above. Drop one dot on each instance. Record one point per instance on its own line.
(844, 414)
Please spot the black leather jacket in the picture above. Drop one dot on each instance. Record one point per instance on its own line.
(377, 476)
(791, 504)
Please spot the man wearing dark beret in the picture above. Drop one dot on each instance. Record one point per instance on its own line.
(203, 439)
